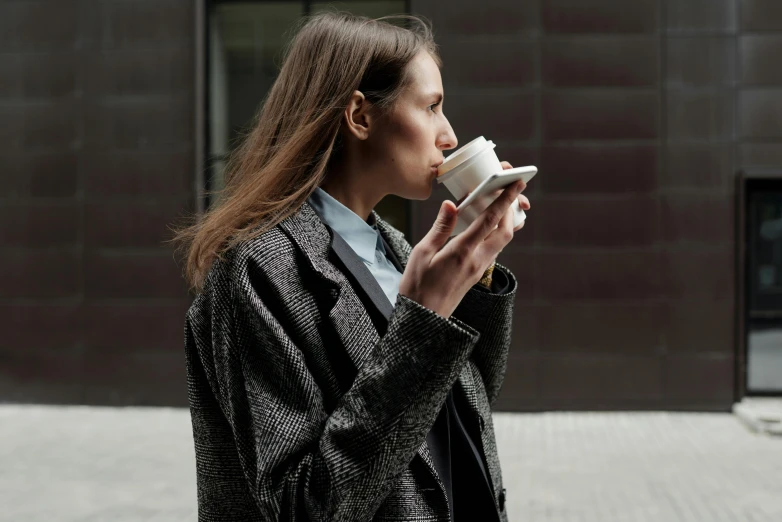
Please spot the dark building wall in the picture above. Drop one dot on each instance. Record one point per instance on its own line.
(638, 113)
(96, 148)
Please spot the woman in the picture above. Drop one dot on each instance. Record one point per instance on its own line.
(334, 372)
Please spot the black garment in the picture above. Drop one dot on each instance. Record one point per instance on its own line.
(460, 466)
(499, 283)
(471, 493)
(439, 441)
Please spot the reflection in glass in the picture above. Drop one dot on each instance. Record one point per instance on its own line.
(764, 341)
(764, 362)
(246, 41)
(370, 8)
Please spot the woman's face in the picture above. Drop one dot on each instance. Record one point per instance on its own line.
(410, 140)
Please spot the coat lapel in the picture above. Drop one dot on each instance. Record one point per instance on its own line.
(348, 316)
(398, 247)
(361, 273)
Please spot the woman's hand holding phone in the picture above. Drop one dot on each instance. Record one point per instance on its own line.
(523, 201)
(440, 272)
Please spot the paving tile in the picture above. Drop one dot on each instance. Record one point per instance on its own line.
(132, 464)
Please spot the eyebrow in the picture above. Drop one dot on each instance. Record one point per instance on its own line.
(436, 94)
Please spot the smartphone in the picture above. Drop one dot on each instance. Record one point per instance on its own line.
(498, 181)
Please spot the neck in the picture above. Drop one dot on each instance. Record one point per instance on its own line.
(353, 188)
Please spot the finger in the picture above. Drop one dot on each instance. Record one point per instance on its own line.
(498, 238)
(506, 165)
(480, 228)
(524, 205)
(440, 232)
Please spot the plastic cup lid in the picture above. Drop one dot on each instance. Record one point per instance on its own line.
(466, 160)
(463, 154)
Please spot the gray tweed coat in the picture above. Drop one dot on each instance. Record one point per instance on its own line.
(303, 410)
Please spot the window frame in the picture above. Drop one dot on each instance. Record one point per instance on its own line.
(203, 158)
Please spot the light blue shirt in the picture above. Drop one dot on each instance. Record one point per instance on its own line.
(364, 238)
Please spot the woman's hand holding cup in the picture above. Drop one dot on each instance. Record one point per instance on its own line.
(440, 272)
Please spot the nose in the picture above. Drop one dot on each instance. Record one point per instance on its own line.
(447, 138)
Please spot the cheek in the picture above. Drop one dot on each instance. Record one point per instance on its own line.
(413, 144)
(408, 125)
(405, 145)
(419, 134)
(400, 155)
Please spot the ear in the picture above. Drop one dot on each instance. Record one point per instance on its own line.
(357, 116)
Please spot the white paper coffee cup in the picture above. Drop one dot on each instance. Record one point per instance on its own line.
(464, 170)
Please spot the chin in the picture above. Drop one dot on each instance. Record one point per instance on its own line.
(425, 193)
(417, 190)
(415, 193)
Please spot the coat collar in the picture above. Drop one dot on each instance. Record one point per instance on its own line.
(316, 240)
(318, 243)
(361, 235)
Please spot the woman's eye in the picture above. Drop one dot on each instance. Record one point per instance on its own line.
(431, 107)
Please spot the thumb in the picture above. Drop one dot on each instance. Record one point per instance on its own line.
(443, 225)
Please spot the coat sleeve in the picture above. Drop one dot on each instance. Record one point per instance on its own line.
(490, 314)
(299, 462)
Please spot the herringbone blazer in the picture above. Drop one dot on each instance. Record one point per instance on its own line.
(302, 410)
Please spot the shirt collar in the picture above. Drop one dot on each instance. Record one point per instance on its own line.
(362, 236)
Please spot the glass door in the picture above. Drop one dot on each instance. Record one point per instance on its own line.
(764, 286)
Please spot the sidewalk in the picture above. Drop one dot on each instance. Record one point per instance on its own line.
(662, 467)
(115, 465)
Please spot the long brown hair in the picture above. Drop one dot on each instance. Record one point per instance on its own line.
(284, 157)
